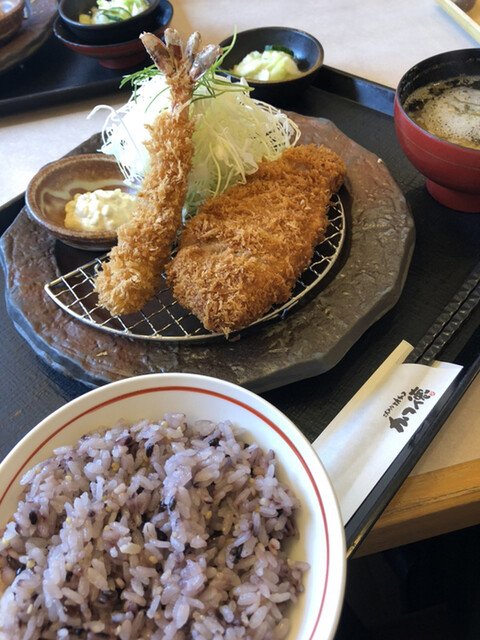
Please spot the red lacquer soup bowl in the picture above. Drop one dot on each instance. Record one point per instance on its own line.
(452, 171)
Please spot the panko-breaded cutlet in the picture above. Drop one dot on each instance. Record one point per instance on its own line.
(245, 249)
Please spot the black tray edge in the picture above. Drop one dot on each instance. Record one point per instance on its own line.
(358, 526)
(365, 92)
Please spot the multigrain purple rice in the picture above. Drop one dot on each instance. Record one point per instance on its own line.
(158, 530)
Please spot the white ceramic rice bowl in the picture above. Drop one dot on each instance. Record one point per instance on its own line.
(321, 542)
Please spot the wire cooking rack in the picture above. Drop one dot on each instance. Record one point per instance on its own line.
(162, 318)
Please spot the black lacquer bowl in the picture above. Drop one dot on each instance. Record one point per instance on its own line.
(117, 55)
(110, 33)
(307, 50)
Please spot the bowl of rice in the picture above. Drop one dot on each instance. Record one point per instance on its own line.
(168, 506)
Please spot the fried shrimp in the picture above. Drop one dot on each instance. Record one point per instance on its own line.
(132, 272)
(245, 249)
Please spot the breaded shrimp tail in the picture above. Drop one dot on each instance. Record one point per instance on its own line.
(132, 273)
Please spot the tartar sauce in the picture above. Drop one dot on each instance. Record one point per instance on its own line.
(99, 210)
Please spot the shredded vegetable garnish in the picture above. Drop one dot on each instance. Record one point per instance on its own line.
(233, 132)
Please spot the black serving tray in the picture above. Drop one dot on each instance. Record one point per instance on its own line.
(56, 75)
(447, 249)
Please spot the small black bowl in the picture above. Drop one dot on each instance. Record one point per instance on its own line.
(122, 31)
(307, 50)
(116, 55)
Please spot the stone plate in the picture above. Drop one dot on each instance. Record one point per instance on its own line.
(310, 341)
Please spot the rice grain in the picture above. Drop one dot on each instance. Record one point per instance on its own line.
(154, 530)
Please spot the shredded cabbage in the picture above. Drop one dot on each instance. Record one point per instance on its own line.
(233, 133)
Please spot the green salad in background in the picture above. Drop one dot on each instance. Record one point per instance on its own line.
(106, 11)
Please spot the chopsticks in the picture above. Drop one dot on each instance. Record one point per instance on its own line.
(449, 321)
(447, 324)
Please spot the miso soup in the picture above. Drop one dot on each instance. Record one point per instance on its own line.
(449, 109)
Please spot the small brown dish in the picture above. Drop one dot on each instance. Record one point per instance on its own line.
(56, 184)
(11, 18)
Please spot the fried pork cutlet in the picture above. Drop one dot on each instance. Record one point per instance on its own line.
(245, 249)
